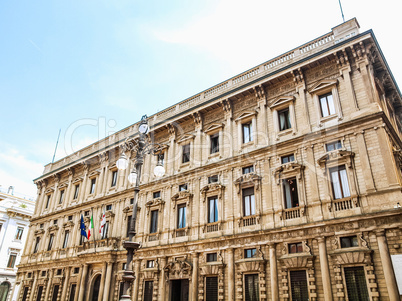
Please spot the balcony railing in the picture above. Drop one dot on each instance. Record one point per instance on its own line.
(345, 204)
(292, 213)
(213, 227)
(249, 221)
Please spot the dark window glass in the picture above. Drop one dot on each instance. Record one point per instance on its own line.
(72, 292)
(58, 272)
(213, 210)
(248, 201)
(327, 105)
(186, 153)
(76, 191)
(70, 217)
(287, 159)
(213, 179)
(349, 242)
(181, 218)
(250, 253)
(284, 119)
(248, 169)
(93, 185)
(295, 248)
(65, 241)
(39, 295)
(356, 285)
(61, 196)
(131, 201)
(55, 292)
(214, 143)
(18, 235)
(43, 273)
(339, 182)
(247, 130)
(298, 284)
(211, 288)
(76, 270)
(106, 230)
(148, 290)
(251, 292)
(123, 266)
(154, 221)
(37, 241)
(108, 207)
(114, 178)
(157, 194)
(86, 213)
(48, 201)
(11, 260)
(55, 222)
(212, 257)
(49, 246)
(121, 287)
(150, 264)
(182, 187)
(333, 145)
(128, 225)
(25, 295)
(290, 193)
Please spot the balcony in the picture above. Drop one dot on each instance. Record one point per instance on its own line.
(106, 244)
(345, 204)
(291, 213)
(250, 220)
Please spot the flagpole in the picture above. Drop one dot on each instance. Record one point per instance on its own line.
(92, 220)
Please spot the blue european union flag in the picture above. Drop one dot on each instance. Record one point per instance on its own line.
(82, 227)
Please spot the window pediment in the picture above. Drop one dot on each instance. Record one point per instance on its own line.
(213, 128)
(129, 208)
(63, 185)
(94, 173)
(77, 180)
(212, 188)
(178, 269)
(39, 232)
(288, 168)
(49, 190)
(348, 256)
(248, 179)
(283, 100)
(297, 261)
(53, 228)
(185, 138)
(157, 202)
(68, 224)
(246, 115)
(182, 195)
(338, 156)
(323, 85)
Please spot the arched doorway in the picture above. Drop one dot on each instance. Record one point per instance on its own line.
(95, 288)
(4, 289)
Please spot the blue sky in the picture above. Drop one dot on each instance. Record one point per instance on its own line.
(91, 68)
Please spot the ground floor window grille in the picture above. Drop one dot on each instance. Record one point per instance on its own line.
(55, 292)
(24, 296)
(39, 295)
(356, 283)
(72, 292)
(148, 290)
(298, 283)
(211, 288)
(251, 287)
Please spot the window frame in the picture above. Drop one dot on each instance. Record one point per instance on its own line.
(290, 158)
(325, 96)
(19, 233)
(247, 198)
(214, 143)
(215, 215)
(61, 196)
(287, 118)
(181, 226)
(65, 239)
(153, 221)
(76, 191)
(92, 185)
(50, 242)
(293, 203)
(335, 145)
(249, 127)
(247, 169)
(250, 253)
(12, 260)
(342, 185)
(186, 153)
(114, 178)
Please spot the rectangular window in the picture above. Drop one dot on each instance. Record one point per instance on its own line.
(250, 253)
(248, 169)
(128, 225)
(181, 216)
(213, 179)
(11, 260)
(76, 191)
(287, 159)
(248, 201)
(333, 146)
(25, 295)
(70, 217)
(339, 181)
(284, 119)
(55, 292)
(121, 287)
(349, 242)
(186, 153)
(43, 273)
(290, 193)
(93, 185)
(154, 221)
(327, 105)
(65, 241)
(213, 209)
(58, 272)
(123, 266)
(37, 241)
(48, 201)
(41, 226)
(76, 270)
(356, 285)
(212, 257)
(251, 292)
(86, 213)
(214, 143)
(211, 288)
(156, 194)
(183, 187)
(61, 196)
(105, 230)
(131, 201)
(298, 284)
(148, 290)
(49, 246)
(18, 235)
(295, 248)
(114, 178)
(39, 295)
(108, 207)
(150, 264)
(55, 222)
(247, 130)
(72, 292)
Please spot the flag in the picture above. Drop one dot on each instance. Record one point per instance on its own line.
(102, 223)
(82, 227)
(91, 226)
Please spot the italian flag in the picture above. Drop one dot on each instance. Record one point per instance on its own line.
(91, 226)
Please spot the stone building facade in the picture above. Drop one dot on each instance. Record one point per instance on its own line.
(282, 183)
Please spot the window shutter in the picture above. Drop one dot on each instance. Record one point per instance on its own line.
(356, 284)
(298, 282)
(211, 285)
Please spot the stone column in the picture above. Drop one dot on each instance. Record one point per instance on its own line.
(82, 283)
(162, 282)
(84, 188)
(134, 295)
(102, 284)
(107, 281)
(35, 275)
(326, 280)
(65, 284)
(231, 275)
(49, 284)
(194, 284)
(387, 266)
(274, 272)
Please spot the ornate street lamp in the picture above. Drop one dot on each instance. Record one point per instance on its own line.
(142, 147)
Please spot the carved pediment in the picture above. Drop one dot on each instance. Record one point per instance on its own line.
(68, 224)
(211, 188)
(287, 168)
(322, 85)
(182, 195)
(94, 173)
(281, 101)
(155, 202)
(348, 256)
(249, 178)
(297, 261)
(178, 269)
(109, 214)
(246, 115)
(185, 138)
(49, 190)
(215, 268)
(39, 231)
(213, 127)
(247, 265)
(53, 228)
(63, 185)
(336, 156)
(77, 180)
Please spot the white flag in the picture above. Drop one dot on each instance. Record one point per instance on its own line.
(102, 224)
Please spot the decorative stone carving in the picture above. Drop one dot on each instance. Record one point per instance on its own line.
(250, 178)
(178, 269)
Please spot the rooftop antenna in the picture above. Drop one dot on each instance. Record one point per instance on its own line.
(55, 149)
(340, 5)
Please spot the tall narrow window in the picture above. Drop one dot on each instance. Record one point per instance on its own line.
(105, 230)
(214, 143)
(25, 295)
(114, 178)
(356, 284)
(148, 290)
(186, 153)
(327, 105)
(211, 288)
(251, 292)
(298, 284)
(65, 241)
(61, 196)
(93, 185)
(247, 129)
(284, 119)
(37, 241)
(181, 218)
(49, 246)
(11, 260)
(48, 201)
(76, 191)
(72, 292)
(55, 292)
(339, 181)
(154, 221)
(121, 287)
(39, 295)
(128, 225)
(248, 201)
(212, 210)
(18, 235)
(290, 193)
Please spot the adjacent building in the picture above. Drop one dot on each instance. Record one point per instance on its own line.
(282, 183)
(15, 213)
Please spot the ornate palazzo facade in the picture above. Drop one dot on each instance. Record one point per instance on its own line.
(282, 183)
